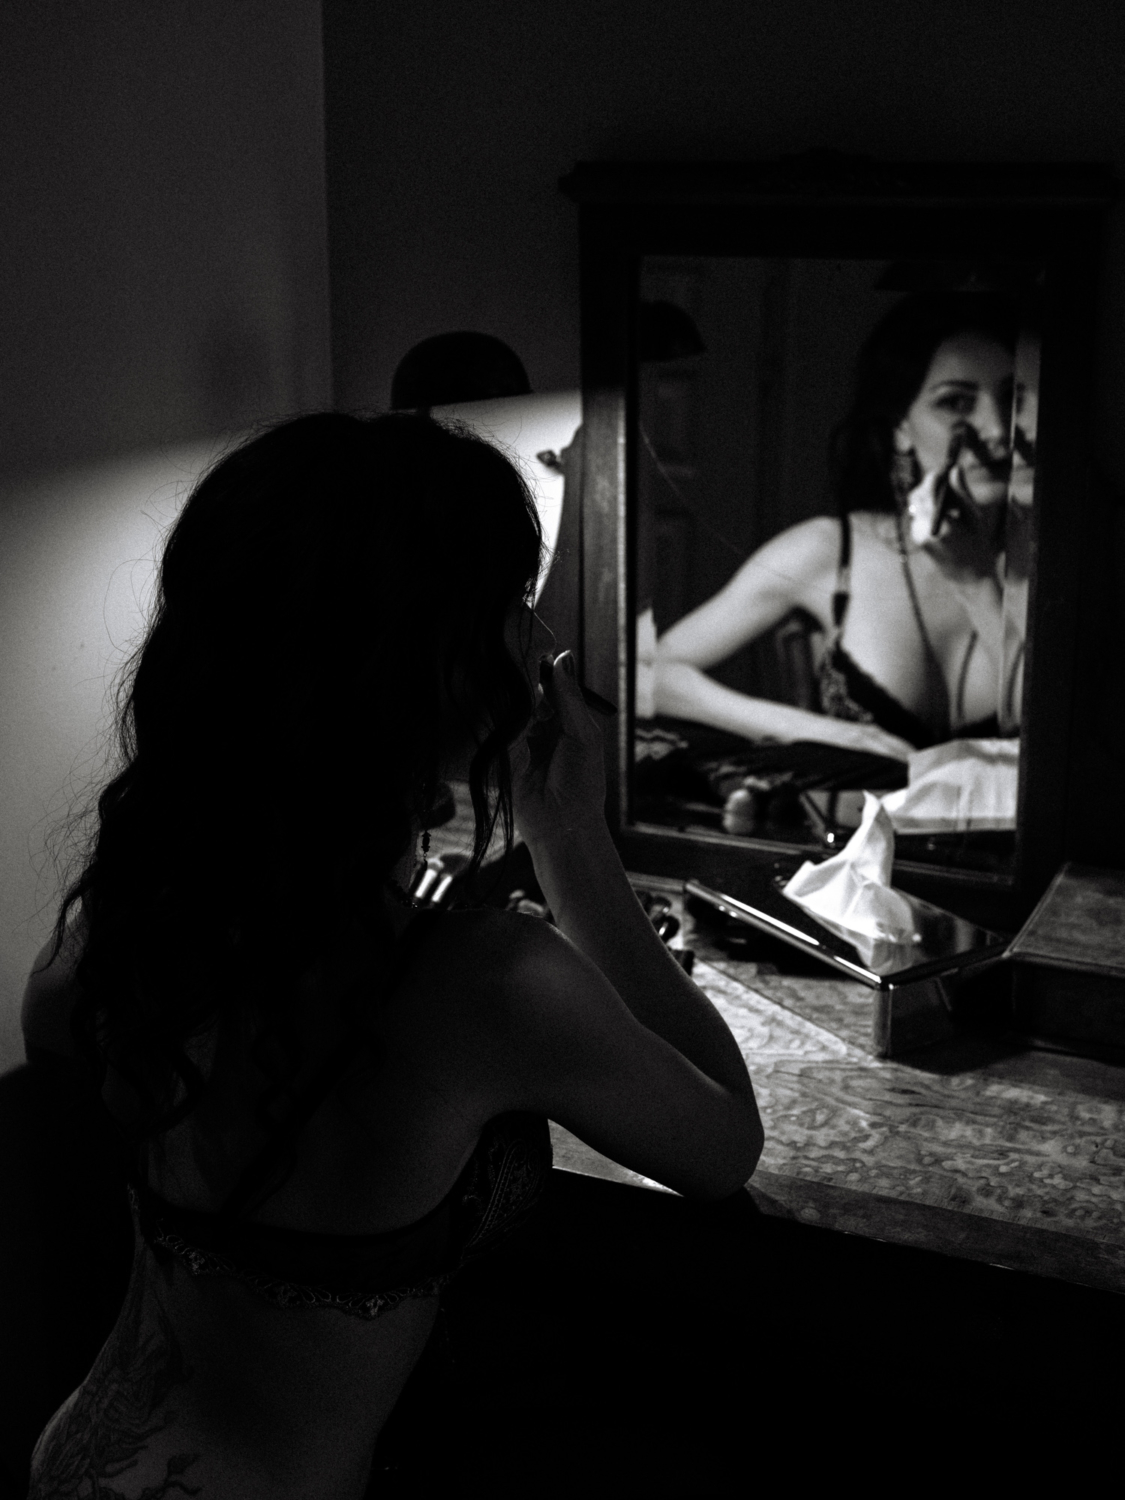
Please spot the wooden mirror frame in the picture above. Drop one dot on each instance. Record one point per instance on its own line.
(824, 204)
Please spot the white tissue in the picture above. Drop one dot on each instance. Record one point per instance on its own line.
(851, 893)
(961, 785)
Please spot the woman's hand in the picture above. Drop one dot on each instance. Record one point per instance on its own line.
(867, 737)
(558, 770)
(964, 539)
(966, 543)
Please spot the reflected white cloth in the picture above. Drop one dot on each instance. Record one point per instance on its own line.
(851, 893)
(958, 786)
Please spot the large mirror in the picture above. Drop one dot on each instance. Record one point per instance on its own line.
(832, 500)
(834, 490)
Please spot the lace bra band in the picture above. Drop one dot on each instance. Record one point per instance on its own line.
(364, 1275)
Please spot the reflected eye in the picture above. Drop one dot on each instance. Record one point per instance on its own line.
(958, 403)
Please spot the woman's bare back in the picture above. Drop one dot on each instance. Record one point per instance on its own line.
(204, 1387)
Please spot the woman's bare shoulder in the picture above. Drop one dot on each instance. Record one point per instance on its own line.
(877, 527)
(806, 549)
(494, 966)
(495, 946)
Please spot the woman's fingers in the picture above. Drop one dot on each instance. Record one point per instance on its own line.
(878, 742)
(566, 697)
(890, 744)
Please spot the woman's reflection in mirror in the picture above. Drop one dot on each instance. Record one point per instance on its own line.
(905, 583)
(1018, 524)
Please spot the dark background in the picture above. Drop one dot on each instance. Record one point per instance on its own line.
(448, 127)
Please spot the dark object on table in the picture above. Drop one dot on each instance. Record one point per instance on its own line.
(434, 883)
(1069, 960)
(687, 774)
(658, 909)
(733, 939)
(519, 900)
(912, 983)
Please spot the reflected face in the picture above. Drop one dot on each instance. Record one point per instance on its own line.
(967, 390)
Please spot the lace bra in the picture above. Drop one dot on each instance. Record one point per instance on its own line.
(365, 1274)
(846, 691)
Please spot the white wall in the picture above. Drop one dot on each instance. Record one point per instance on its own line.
(163, 281)
(77, 565)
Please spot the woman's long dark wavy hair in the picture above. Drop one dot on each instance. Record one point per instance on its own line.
(281, 731)
(891, 368)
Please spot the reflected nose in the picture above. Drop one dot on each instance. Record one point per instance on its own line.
(992, 421)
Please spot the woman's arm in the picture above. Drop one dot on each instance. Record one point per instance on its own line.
(605, 1033)
(651, 1078)
(795, 569)
(687, 693)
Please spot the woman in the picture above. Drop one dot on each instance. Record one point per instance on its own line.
(906, 586)
(332, 1098)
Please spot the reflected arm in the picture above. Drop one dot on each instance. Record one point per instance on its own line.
(684, 692)
(795, 570)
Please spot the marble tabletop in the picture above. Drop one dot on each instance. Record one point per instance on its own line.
(982, 1147)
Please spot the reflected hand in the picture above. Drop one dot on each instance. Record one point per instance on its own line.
(866, 737)
(960, 535)
(557, 764)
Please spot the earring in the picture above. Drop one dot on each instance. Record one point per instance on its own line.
(425, 842)
(905, 475)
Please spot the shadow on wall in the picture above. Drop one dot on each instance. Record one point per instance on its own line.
(78, 552)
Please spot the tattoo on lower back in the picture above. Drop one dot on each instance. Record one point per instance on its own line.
(124, 1402)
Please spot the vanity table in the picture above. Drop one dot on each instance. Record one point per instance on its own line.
(982, 1148)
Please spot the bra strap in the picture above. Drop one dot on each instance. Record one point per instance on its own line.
(843, 594)
(357, 1039)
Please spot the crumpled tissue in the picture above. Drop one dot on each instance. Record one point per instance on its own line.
(958, 786)
(852, 896)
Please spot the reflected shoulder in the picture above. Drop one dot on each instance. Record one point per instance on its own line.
(800, 554)
(817, 534)
(877, 526)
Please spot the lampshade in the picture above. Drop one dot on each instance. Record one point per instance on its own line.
(454, 367)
